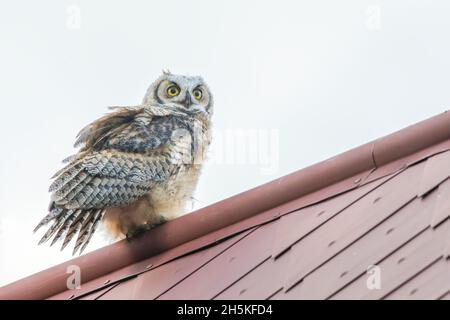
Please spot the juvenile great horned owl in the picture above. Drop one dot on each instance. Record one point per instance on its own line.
(136, 167)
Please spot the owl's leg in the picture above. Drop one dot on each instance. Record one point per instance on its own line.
(135, 232)
(140, 229)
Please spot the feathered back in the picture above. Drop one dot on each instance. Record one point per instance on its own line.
(93, 135)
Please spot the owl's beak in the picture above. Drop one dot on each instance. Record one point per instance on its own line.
(187, 100)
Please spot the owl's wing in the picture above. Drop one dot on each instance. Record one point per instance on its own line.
(124, 123)
(123, 155)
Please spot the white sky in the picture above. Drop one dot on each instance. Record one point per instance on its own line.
(325, 75)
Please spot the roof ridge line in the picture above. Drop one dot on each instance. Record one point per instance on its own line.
(412, 139)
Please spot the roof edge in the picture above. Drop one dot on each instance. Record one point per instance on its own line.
(236, 208)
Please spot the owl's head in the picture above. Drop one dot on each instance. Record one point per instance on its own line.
(186, 92)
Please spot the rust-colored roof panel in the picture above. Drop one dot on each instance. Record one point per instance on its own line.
(432, 283)
(442, 208)
(403, 265)
(445, 296)
(237, 258)
(437, 169)
(153, 284)
(312, 234)
(261, 283)
(152, 263)
(376, 245)
(294, 226)
(352, 223)
(95, 295)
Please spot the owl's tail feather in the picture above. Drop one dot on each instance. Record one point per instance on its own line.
(54, 212)
(58, 217)
(75, 227)
(87, 230)
(67, 223)
(70, 223)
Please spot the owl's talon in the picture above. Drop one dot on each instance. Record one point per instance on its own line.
(139, 230)
(163, 220)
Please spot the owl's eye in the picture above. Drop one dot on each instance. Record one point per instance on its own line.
(173, 90)
(197, 93)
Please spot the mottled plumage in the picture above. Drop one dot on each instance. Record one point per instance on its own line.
(136, 166)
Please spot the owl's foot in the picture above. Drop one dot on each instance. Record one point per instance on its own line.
(162, 220)
(139, 230)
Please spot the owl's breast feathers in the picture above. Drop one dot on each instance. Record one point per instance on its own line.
(146, 153)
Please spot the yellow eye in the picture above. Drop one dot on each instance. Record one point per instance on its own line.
(197, 93)
(173, 90)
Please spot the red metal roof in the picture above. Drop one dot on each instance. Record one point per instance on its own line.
(312, 234)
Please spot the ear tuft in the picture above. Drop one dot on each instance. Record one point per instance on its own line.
(166, 72)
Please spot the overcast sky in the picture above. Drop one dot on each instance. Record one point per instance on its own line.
(310, 78)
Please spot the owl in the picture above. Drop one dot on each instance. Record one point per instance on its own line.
(136, 167)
